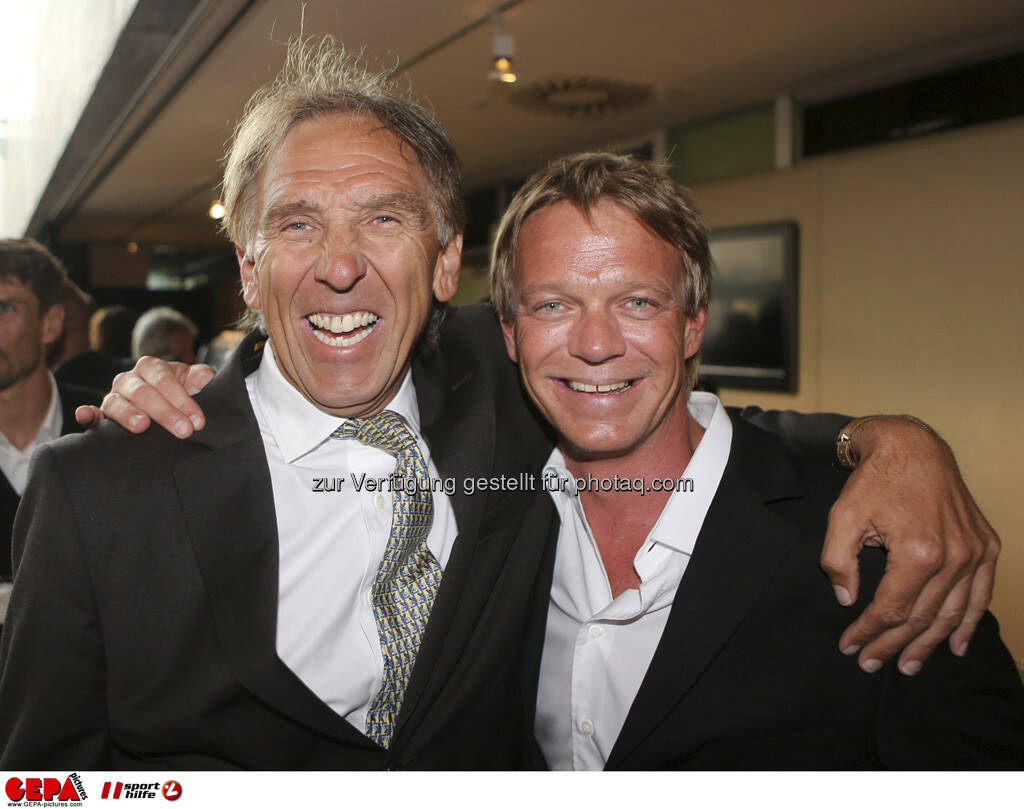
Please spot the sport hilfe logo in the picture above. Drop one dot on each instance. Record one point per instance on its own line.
(45, 789)
(119, 790)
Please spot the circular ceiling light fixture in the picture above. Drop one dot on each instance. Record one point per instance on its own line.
(582, 95)
(217, 209)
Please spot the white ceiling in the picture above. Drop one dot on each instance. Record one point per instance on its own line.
(155, 181)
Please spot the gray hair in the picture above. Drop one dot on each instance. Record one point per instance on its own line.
(320, 78)
(156, 329)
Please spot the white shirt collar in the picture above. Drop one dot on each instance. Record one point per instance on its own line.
(54, 421)
(299, 426)
(681, 519)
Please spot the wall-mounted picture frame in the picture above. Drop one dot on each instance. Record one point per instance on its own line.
(750, 340)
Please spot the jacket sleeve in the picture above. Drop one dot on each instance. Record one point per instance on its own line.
(812, 435)
(957, 713)
(52, 672)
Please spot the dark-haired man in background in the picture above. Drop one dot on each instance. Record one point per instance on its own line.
(34, 409)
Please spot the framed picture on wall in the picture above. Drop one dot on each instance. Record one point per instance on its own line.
(751, 336)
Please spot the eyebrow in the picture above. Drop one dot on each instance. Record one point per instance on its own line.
(284, 210)
(402, 201)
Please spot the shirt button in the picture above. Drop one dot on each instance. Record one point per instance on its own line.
(586, 728)
(378, 502)
(596, 630)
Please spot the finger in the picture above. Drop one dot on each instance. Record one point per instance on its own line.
(924, 617)
(88, 415)
(947, 619)
(839, 557)
(197, 378)
(117, 408)
(978, 600)
(134, 403)
(907, 573)
(155, 387)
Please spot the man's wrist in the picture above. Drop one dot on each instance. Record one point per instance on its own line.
(847, 451)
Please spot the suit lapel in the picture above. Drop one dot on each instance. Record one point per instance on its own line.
(228, 506)
(740, 546)
(460, 430)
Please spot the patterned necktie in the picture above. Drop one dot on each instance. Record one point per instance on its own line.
(408, 576)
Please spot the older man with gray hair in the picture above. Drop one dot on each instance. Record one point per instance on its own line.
(166, 333)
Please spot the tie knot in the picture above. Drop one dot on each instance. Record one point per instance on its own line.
(387, 431)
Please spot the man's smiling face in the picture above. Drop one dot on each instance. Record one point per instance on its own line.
(345, 261)
(599, 330)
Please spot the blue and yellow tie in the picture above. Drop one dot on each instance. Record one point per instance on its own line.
(408, 575)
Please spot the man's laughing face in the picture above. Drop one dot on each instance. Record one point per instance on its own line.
(345, 261)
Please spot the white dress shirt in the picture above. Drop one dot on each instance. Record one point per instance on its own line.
(332, 541)
(15, 462)
(597, 649)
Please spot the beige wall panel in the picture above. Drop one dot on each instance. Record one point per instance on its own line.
(912, 294)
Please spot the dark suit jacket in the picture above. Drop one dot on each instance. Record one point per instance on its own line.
(91, 369)
(71, 397)
(142, 624)
(748, 674)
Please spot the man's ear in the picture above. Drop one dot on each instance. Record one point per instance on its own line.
(695, 332)
(446, 269)
(508, 328)
(250, 286)
(53, 323)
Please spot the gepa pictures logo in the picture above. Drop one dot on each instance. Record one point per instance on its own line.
(52, 790)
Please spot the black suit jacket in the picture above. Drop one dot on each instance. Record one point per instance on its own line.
(748, 674)
(71, 397)
(143, 619)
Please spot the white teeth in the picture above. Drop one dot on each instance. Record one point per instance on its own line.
(583, 387)
(325, 324)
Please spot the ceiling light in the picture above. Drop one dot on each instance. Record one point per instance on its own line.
(217, 210)
(132, 247)
(503, 51)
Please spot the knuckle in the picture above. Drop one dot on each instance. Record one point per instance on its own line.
(949, 619)
(131, 386)
(122, 379)
(840, 510)
(961, 557)
(919, 622)
(890, 617)
(979, 605)
(926, 556)
(832, 561)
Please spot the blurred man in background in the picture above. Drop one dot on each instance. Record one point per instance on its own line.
(34, 409)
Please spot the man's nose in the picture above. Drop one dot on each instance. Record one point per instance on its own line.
(596, 337)
(343, 262)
